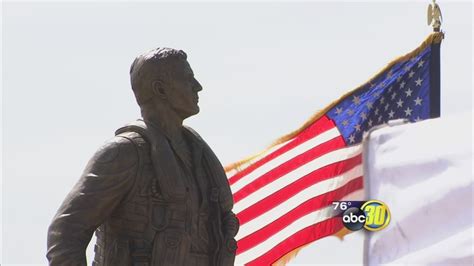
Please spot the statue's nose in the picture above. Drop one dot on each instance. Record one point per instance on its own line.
(197, 86)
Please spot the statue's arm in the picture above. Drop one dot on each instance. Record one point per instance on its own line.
(230, 227)
(107, 179)
(230, 223)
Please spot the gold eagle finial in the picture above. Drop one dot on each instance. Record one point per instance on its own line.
(434, 16)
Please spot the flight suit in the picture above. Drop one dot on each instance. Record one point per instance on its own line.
(148, 205)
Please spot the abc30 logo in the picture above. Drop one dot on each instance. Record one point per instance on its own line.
(373, 215)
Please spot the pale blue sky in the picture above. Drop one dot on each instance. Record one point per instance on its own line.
(265, 68)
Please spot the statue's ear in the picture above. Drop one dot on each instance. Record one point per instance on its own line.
(158, 88)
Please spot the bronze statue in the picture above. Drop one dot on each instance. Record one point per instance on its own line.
(155, 194)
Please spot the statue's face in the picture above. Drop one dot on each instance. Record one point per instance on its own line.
(182, 93)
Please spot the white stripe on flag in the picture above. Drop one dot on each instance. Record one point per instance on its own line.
(234, 171)
(304, 195)
(301, 223)
(283, 181)
(307, 145)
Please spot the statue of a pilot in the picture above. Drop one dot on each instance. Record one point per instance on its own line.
(155, 194)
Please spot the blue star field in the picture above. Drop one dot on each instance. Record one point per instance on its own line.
(400, 92)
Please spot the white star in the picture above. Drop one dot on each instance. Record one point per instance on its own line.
(408, 111)
(407, 68)
(345, 122)
(369, 105)
(350, 112)
(379, 119)
(399, 78)
(400, 103)
(402, 85)
(338, 110)
(357, 127)
(390, 89)
(363, 116)
(417, 119)
(418, 82)
(408, 92)
(377, 93)
(382, 100)
(391, 114)
(411, 74)
(393, 95)
(370, 122)
(420, 64)
(351, 138)
(386, 107)
(418, 101)
(356, 100)
(376, 111)
(390, 73)
(372, 85)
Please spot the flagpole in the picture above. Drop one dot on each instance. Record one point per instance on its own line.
(435, 81)
(434, 19)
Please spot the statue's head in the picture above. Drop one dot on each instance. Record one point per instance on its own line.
(163, 76)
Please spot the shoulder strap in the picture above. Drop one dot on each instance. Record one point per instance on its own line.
(163, 160)
(138, 126)
(221, 189)
(142, 150)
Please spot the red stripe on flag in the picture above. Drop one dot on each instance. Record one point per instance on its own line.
(283, 194)
(288, 166)
(307, 235)
(318, 127)
(305, 208)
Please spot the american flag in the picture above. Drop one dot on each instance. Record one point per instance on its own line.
(283, 196)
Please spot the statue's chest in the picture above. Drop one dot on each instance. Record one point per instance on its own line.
(180, 178)
(196, 185)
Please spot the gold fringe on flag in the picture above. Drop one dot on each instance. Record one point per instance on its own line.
(436, 37)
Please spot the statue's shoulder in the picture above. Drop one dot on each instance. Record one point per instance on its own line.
(136, 127)
(194, 133)
(198, 138)
(139, 131)
(116, 155)
(122, 151)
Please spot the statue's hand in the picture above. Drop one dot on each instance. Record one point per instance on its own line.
(230, 225)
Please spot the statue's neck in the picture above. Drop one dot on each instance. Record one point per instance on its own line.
(167, 121)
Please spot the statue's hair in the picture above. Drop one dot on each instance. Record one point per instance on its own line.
(148, 66)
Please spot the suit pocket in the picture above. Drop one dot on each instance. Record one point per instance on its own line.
(119, 254)
(170, 248)
(160, 216)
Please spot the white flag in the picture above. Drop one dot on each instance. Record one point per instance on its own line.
(423, 172)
